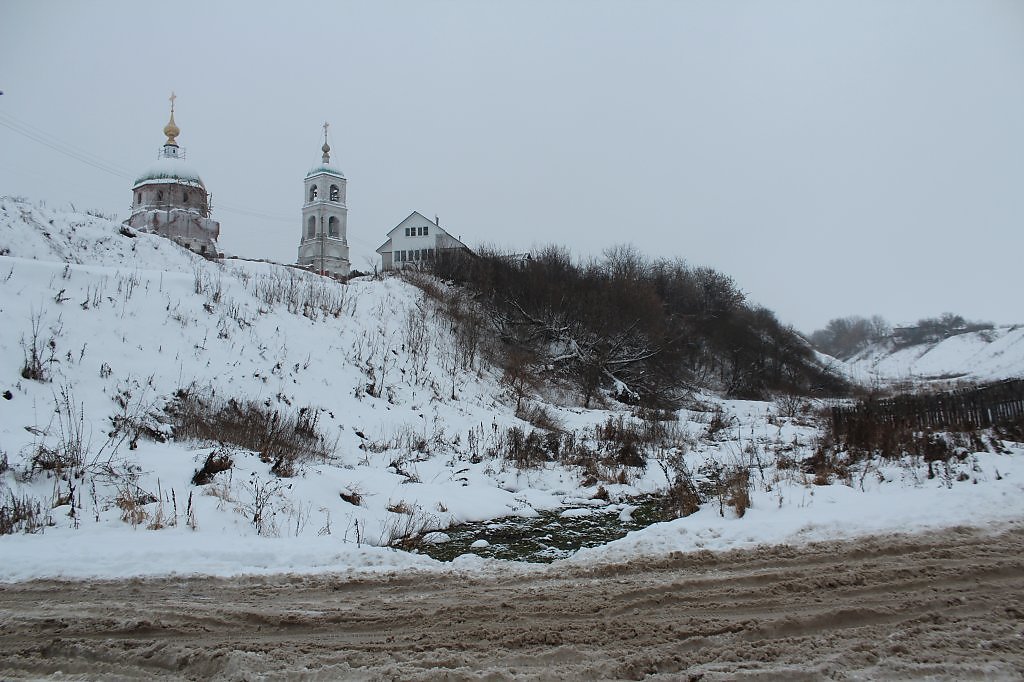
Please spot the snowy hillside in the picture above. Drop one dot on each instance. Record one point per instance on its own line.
(107, 334)
(974, 356)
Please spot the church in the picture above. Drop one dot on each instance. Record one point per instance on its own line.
(170, 199)
(323, 244)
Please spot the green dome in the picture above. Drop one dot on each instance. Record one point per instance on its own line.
(325, 168)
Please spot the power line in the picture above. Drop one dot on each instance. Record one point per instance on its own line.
(35, 134)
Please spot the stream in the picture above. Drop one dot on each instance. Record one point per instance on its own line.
(551, 535)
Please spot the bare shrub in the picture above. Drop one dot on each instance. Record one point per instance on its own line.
(39, 353)
(69, 452)
(626, 439)
(524, 450)
(261, 503)
(72, 440)
(405, 529)
(718, 422)
(681, 499)
(22, 515)
(737, 491)
(286, 439)
(132, 501)
(538, 416)
(790, 404)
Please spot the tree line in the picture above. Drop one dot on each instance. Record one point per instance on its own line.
(647, 331)
(844, 337)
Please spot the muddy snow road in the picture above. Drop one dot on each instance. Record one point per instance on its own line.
(948, 605)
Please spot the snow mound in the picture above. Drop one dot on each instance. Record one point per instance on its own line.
(36, 232)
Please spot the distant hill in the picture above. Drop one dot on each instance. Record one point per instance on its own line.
(983, 355)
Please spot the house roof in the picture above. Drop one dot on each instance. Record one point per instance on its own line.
(386, 246)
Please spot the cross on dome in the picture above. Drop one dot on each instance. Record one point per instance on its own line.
(171, 130)
(326, 148)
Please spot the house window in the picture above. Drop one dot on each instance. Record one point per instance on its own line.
(311, 230)
(408, 232)
(312, 193)
(335, 193)
(332, 227)
(426, 231)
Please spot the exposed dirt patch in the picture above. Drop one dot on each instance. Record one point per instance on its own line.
(947, 605)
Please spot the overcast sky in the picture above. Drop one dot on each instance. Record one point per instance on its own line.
(835, 158)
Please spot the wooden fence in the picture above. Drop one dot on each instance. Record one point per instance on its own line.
(965, 409)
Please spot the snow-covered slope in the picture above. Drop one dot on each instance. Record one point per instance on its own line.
(417, 429)
(131, 318)
(974, 356)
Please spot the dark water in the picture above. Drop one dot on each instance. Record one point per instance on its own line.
(546, 537)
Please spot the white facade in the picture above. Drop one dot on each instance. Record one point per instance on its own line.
(323, 244)
(416, 241)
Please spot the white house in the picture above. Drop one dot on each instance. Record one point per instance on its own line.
(323, 241)
(415, 241)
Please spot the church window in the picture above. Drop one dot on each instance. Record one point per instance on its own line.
(312, 193)
(159, 196)
(311, 231)
(184, 197)
(335, 193)
(332, 227)
(138, 197)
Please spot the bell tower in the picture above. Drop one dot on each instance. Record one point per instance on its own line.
(323, 243)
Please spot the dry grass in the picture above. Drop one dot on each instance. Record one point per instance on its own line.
(284, 438)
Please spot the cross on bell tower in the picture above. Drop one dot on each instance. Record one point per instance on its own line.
(323, 244)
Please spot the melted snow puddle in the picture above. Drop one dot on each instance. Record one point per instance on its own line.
(551, 535)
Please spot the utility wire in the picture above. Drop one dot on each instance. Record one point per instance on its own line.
(37, 135)
(30, 130)
(56, 146)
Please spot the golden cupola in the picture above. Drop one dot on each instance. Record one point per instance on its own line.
(171, 130)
